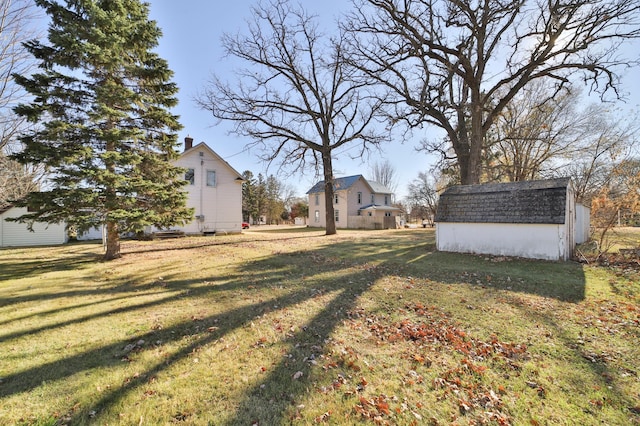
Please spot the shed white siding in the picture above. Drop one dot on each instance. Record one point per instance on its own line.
(503, 239)
(583, 223)
(14, 234)
(95, 233)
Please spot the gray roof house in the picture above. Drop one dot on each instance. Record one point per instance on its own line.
(534, 219)
(358, 204)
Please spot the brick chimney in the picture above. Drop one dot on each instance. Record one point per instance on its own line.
(188, 143)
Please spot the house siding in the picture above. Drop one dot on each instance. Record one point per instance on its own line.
(216, 208)
(347, 189)
(14, 234)
(353, 206)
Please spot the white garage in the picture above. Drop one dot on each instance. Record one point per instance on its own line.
(15, 234)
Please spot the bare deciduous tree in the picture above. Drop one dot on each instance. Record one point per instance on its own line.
(528, 136)
(617, 201)
(16, 18)
(457, 64)
(423, 197)
(384, 173)
(604, 141)
(16, 180)
(296, 98)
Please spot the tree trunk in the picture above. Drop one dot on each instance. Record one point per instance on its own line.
(330, 218)
(113, 241)
(476, 144)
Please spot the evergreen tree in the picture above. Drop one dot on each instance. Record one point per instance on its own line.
(102, 100)
(249, 200)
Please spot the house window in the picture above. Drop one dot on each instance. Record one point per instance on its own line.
(335, 199)
(317, 216)
(373, 198)
(211, 178)
(359, 197)
(387, 214)
(369, 213)
(189, 176)
(337, 215)
(317, 199)
(386, 200)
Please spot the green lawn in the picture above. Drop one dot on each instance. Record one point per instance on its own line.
(294, 327)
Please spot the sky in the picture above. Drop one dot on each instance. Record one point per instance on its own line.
(192, 30)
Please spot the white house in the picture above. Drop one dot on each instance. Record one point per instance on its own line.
(214, 190)
(533, 219)
(358, 204)
(15, 234)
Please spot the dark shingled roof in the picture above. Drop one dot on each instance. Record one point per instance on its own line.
(539, 201)
(346, 182)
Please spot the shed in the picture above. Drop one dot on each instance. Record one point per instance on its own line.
(533, 219)
(15, 234)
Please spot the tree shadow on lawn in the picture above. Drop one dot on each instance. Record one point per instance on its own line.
(367, 262)
(21, 268)
(111, 355)
(605, 374)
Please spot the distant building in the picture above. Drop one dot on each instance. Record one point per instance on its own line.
(15, 234)
(358, 204)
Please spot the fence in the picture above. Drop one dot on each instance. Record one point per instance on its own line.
(372, 222)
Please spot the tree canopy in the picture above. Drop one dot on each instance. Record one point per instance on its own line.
(297, 97)
(16, 18)
(457, 64)
(100, 105)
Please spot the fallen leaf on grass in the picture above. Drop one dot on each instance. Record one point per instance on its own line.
(323, 417)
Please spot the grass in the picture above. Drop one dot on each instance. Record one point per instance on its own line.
(294, 327)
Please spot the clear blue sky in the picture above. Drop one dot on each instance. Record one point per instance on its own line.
(192, 30)
(191, 44)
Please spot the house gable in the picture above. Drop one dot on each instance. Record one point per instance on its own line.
(214, 191)
(533, 202)
(203, 147)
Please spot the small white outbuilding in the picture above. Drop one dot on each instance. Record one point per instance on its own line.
(15, 234)
(533, 219)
